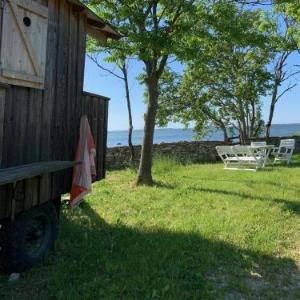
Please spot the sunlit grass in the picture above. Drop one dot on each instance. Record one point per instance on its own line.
(200, 232)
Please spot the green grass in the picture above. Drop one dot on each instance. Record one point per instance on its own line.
(199, 233)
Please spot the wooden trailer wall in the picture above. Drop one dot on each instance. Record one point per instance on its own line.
(43, 125)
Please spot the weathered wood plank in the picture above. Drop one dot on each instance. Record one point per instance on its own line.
(105, 129)
(19, 204)
(31, 193)
(27, 43)
(102, 114)
(28, 171)
(23, 77)
(96, 108)
(1, 19)
(33, 6)
(2, 108)
(44, 188)
(3, 201)
(9, 128)
(61, 110)
(20, 138)
(50, 83)
(81, 59)
(44, 125)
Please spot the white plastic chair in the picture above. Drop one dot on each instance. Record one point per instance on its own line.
(284, 152)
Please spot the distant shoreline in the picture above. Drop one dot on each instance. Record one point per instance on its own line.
(190, 128)
(173, 135)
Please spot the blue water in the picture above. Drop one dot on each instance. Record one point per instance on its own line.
(169, 135)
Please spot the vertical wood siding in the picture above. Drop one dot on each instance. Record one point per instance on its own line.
(40, 125)
(96, 108)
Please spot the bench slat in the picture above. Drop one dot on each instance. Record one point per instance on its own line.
(18, 173)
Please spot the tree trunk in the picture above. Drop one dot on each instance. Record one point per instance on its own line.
(145, 168)
(130, 128)
(242, 121)
(272, 110)
(247, 122)
(253, 120)
(226, 138)
(242, 129)
(280, 77)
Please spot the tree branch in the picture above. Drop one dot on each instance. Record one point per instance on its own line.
(162, 65)
(290, 75)
(95, 60)
(285, 91)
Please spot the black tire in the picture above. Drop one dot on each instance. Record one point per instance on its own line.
(28, 238)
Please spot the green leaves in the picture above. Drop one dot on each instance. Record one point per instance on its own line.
(291, 10)
(225, 76)
(151, 29)
(225, 46)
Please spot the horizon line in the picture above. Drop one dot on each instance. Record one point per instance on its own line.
(173, 128)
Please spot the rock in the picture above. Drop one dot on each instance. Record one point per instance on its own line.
(255, 274)
(14, 277)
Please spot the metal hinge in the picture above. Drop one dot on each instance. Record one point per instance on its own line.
(1, 3)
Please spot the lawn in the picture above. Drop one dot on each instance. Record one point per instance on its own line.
(199, 233)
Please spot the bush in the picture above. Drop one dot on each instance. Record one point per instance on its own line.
(296, 133)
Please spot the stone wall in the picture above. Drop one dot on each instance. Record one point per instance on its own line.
(118, 157)
(204, 151)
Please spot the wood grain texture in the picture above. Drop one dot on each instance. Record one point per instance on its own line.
(43, 125)
(2, 108)
(34, 6)
(23, 49)
(29, 171)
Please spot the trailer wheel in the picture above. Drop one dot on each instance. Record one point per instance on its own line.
(29, 237)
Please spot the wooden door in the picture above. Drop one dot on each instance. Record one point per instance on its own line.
(24, 43)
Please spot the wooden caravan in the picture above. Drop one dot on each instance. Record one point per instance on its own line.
(42, 61)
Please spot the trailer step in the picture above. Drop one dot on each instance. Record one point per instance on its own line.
(18, 173)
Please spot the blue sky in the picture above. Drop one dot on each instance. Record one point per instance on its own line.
(287, 110)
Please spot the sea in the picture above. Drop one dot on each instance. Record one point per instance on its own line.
(170, 135)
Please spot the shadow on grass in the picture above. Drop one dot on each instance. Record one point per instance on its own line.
(134, 167)
(293, 206)
(163, 185)
(251, 182)
(97, 260)
(295, 164)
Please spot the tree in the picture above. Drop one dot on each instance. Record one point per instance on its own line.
(291, 9)
(280, 76)
(153, 31)
(286, 36)
(284, 44)
(181, 101)
(122, 64)
(223, 83)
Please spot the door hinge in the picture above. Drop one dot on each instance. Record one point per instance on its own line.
(1, 3)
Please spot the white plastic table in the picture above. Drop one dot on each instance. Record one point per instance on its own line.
(267, 149)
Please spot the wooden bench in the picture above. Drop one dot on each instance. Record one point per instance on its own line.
(16, 174)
